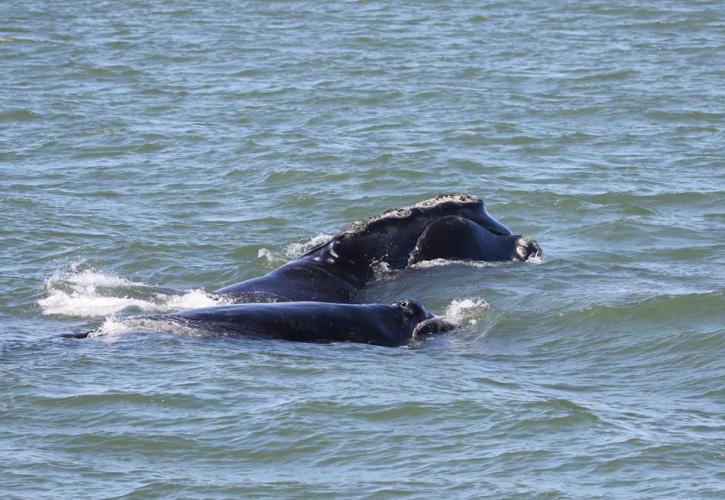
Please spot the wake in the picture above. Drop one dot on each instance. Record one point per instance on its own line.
(91, 293)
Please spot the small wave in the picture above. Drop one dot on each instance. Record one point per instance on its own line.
(90, 293)
(663, 308)
(463, 312)
(18, 115)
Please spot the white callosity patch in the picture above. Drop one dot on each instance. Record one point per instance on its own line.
(401, 213)
(94, 294)
(528, 250)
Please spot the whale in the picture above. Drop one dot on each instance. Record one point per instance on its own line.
(451, 226)
(389, 325)
(457, 238)
(311, 298)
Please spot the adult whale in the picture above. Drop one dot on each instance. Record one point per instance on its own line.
(336, 269)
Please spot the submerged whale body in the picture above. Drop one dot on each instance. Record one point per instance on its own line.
(309, 299)
(453, 226)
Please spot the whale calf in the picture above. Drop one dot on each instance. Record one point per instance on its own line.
(390, 325)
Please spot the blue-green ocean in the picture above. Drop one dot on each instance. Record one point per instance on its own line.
(149, 145)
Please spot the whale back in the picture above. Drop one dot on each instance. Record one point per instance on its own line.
(391, 236)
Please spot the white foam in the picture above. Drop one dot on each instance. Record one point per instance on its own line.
(90, 294)
(88, 304)
(269, 256)
(293, 250)
(535, 259)
(464, 311)
(426, 264)
(296, 249)
(87, 277)
(113, 327)
(191, 300)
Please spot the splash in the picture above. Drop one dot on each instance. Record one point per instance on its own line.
(535, 260)
(270, 256)
(191, 299)
(91, 293)
(462, 312)
(113, 327)
(294, 250)
(87, 278)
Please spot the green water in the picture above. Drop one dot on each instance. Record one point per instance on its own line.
(155, 145)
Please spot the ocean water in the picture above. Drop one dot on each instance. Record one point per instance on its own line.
(149, 146)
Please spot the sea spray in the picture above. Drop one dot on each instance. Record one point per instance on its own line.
(463, 312)
(92, 293)
(294, 250)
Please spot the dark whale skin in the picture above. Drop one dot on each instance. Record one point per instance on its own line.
(337, 269)
(378, 324)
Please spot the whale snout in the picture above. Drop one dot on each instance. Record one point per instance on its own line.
(413, 309)
(527, 248)
(432, 326)
(422, 322)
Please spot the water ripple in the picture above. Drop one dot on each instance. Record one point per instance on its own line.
(153, 152)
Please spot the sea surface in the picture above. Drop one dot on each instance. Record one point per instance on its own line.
(151, 146)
